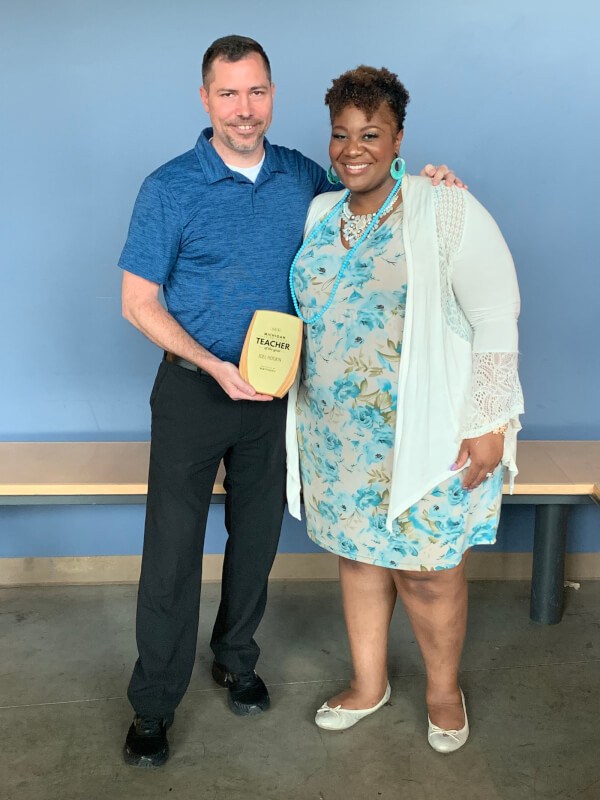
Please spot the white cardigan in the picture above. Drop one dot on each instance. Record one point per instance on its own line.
(458, 371)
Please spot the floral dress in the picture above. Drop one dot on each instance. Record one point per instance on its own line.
(347, 414)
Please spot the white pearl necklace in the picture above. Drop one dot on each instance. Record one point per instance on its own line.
(356, 224)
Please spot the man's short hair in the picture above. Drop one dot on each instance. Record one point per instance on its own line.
(232, 48)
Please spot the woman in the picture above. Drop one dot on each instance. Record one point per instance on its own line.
(408, 402)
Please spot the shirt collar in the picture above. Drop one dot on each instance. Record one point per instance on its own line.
(215, 169)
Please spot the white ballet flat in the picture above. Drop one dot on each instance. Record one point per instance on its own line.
(448, 741)
(339, 719)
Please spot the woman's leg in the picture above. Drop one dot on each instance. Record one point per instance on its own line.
(368, 596)
(436, 604)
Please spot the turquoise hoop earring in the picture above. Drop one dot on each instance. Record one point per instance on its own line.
(331, 176)
(397, 170)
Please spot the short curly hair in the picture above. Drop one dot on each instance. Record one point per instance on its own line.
(367, 88)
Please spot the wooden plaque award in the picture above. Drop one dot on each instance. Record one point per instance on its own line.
(271, 352)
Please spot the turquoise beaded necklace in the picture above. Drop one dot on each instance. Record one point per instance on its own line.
(382, 210)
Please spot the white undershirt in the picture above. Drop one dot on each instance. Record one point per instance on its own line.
(249, 172)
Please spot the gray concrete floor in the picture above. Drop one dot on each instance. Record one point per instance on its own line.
(532, 694)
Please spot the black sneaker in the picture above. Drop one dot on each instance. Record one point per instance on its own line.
(146, 744)
(247, 695)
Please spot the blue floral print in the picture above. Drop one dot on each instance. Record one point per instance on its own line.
(332, 442)
(347, 416)
(367, 418)
(345, 388)
(366, 497)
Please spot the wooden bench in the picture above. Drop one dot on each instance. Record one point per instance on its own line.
(552, 476)
(78, 473)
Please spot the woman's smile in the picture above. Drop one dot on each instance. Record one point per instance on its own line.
(362, 149)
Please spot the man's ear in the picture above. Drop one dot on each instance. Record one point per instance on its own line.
(204, 98)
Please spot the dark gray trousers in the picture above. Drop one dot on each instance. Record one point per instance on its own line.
(195, 425)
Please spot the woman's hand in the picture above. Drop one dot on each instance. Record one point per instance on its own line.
(485, 453)
(442, 173)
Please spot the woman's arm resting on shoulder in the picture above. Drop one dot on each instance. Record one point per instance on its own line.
(442, 173)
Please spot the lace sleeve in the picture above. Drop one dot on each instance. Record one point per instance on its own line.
(496, 396)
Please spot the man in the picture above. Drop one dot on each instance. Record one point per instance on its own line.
(218, 228)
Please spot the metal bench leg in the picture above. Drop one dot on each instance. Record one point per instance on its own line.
(549, 547)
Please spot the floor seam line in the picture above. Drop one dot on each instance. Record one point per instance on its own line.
(302, 683)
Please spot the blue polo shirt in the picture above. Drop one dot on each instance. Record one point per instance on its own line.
(220, 245)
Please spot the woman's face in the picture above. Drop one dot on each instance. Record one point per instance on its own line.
(361, 150)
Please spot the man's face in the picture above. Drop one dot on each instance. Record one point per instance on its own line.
(239, 100)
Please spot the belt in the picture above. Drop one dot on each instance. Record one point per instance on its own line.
(183, 362)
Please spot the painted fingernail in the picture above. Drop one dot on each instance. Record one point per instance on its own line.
(453, 466)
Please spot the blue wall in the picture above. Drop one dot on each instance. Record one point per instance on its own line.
(97, 94)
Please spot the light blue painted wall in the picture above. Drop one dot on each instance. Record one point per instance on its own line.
(95, 95)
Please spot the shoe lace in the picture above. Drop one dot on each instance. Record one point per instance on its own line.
(245, 678)
(149, 725)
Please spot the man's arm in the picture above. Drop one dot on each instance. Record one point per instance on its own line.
(144, 310)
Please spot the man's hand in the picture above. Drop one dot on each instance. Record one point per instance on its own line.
(229, 379)
(485, 453)
(143, 309)
(442, 173)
